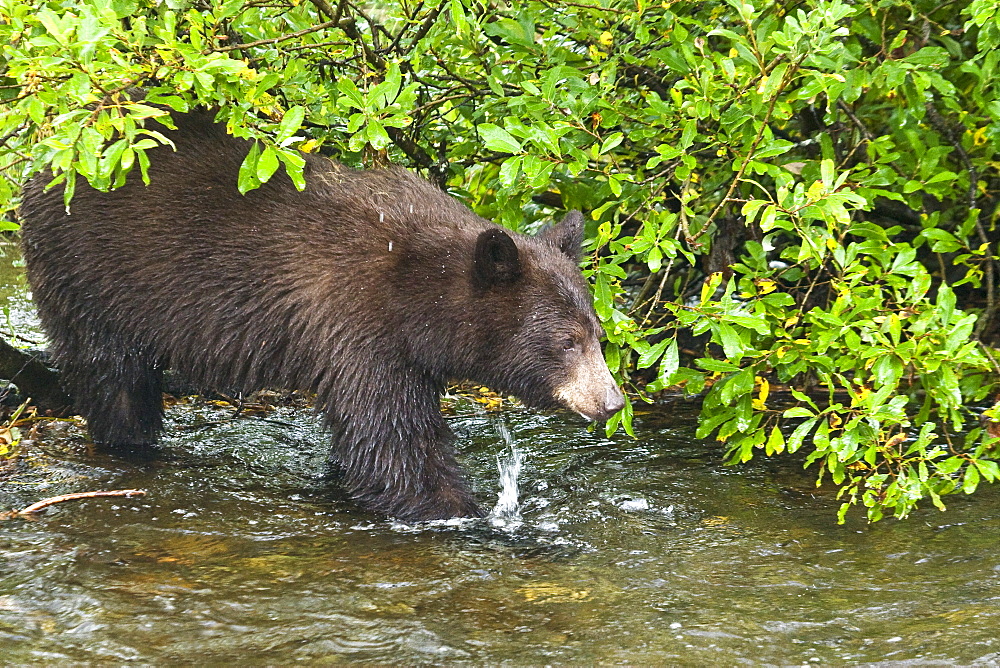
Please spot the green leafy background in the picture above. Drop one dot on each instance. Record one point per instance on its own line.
(791, 205)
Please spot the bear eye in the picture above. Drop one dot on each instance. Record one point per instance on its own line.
(568, 345)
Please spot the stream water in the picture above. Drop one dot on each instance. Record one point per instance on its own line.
(623, 551)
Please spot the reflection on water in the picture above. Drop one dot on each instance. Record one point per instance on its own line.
(629, 551)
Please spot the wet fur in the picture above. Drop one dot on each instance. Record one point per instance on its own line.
(300, 290)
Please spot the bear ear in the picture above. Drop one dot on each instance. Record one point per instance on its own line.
(567, 236)
(496, 260)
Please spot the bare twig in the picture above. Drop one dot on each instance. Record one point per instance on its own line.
(438, 101)
(581, 5)
(275, 40)
(331, 13)
(756, 142)
(989, 313)
(23, 126)
(412, 150)
(989, 355)
(473, 86)
(12, 335)
(45, 503)
(317, 45)
(424, 28)
(854, 119)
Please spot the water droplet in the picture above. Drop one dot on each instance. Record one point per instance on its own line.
(507, 513)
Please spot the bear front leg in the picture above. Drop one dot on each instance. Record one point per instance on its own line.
(404, 470)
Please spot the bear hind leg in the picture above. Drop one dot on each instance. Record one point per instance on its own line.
(119, 390)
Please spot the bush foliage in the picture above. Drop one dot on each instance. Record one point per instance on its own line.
(796, 196)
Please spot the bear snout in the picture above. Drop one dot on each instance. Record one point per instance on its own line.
(590, 389)
(614, 401)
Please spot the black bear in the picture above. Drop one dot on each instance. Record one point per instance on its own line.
(370, 288)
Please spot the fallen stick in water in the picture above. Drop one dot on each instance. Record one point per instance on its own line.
(45, 503)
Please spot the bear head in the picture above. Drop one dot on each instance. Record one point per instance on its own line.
(540, 333)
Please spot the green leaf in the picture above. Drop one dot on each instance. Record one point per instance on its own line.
(945, 303)
(497, 139)
(290, 123)
(989, 470)
(294, 167)
(794, 441)
(775, 442)
(970, 480)
(248, 179)
(710, 364)
(670, 362)
(730, 340)
(652, 355)
(611, 142)
(346, 86)
(737, 385)
(267, 164)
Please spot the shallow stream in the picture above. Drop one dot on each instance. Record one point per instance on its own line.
(643, 551)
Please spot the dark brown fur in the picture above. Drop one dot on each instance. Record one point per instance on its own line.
(371, 289)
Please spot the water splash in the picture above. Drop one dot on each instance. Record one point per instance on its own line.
(507, 513)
